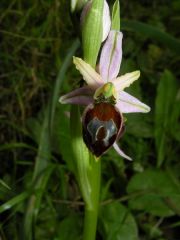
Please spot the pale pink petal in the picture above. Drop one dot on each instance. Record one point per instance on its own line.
(92, 78)
(120, 152)
(78, 100)
(111, 56)
(86, 91)
(106, 21)
(128, 104)
(125, 80)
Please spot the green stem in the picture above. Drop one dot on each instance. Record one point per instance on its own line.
(90, 223)
(91, 213)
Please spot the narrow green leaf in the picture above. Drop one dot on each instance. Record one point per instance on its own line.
(14, 201)
(92, 32)
(152, 32)
(174, 118)
(166, 93)
(115, 25)
(42, 161)
(80, 154)
(4, 184)
(44, 153)
(9, 146)
(34, 202)
(43, 169)
(60, 77)
(61, 136)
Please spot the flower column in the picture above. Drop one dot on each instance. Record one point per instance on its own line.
(88, 168)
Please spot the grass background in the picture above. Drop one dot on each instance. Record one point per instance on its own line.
(39, 195)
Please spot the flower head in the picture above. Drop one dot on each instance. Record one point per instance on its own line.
(103, 86)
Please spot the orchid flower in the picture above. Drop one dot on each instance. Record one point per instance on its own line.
(108, 69)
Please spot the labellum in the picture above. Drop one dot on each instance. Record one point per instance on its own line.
(102, 121)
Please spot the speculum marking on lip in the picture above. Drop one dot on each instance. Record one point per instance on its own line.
(101, 130)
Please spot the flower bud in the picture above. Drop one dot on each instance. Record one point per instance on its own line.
(106, 17)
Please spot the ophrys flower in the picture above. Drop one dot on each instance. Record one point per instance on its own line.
(105, 96)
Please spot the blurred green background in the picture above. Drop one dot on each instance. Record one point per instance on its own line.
(39, 195)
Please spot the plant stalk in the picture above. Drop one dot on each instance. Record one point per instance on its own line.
(91, 212)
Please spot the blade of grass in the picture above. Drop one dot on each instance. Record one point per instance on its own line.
(42, 161)
(35, 202)
(14, 201)
(60, 77)
(4, 184)
(44, 152)
(152, 32)
(9, 146)
(166, 93)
